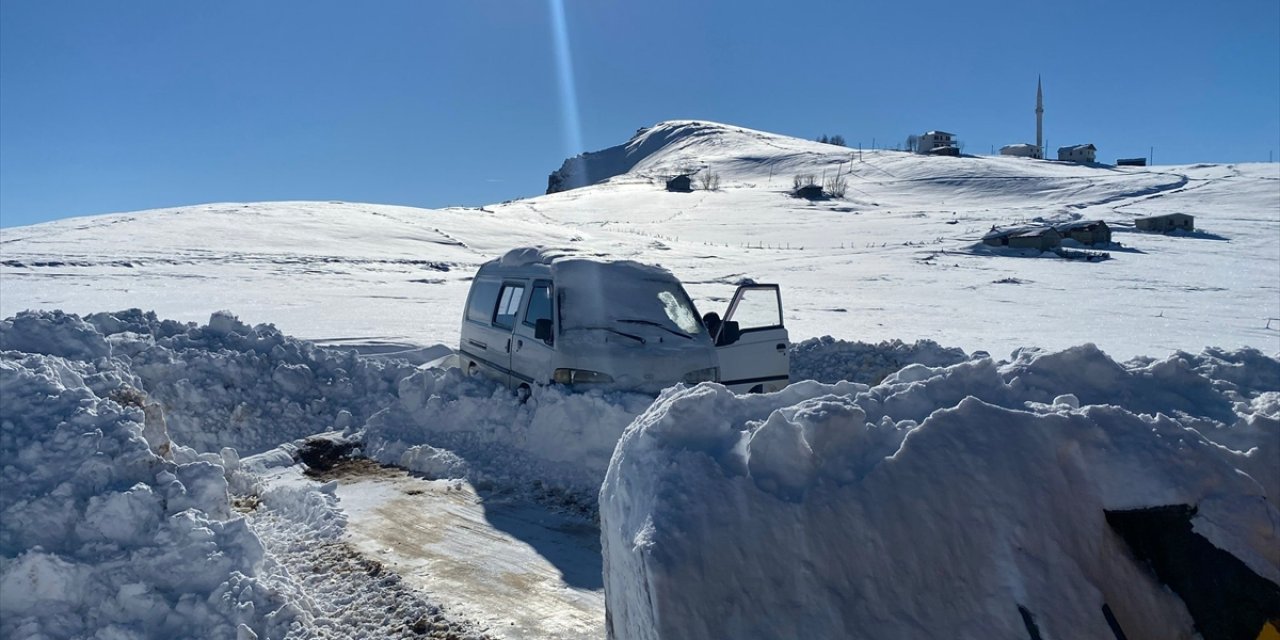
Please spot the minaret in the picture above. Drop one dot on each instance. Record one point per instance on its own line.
(1039, 120)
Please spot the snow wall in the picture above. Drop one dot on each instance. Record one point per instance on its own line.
(120, 436)
(967, 501)
(111, 534)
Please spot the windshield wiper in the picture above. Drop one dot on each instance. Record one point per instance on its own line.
(610, 330)
(658, 325)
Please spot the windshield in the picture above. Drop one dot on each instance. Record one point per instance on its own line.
(597, 295)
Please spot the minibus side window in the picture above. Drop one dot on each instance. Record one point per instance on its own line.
(484, 295)
(539, 304)
(508, 305)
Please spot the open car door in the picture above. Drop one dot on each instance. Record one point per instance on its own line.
(752, 342)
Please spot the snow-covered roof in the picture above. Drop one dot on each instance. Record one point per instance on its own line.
(1020, 145)
(1165, 215)
(1034, 232)
(1019, 232)
(1079, 224)
(938, 133)
(528, 256)
(1077, 147)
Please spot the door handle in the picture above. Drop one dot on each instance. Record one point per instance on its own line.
(477, 343)
(508, 345)
(782, 346)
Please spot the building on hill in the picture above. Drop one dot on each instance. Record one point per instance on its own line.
(1020, 150)
(1131, 162)
(1088, 232)
(1083, 153)
(680, 184)
(932, 140)
(1167, 222)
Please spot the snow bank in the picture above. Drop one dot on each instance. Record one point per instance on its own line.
(968, 498)
(110, 527)
(98, 533)
(224, 384)
(826, 359)
(557, 440)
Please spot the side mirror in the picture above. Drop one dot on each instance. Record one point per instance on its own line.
(729, 333)
(542, 330)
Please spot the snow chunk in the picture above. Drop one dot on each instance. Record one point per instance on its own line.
(839, 512)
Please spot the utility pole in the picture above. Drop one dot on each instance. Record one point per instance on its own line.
(1151, 156)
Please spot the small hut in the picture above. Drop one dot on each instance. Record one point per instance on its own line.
(810, 192)
(1088, 232)
(1167, 222)
(1042, 238)
(680, 184)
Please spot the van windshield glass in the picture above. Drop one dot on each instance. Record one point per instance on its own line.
(597, 295)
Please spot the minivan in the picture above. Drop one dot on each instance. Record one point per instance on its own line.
(535, 317)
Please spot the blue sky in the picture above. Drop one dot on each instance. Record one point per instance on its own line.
(120, 106)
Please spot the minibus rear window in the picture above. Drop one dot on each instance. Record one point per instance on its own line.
(484, 297)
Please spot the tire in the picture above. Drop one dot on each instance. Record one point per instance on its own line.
(523, 393)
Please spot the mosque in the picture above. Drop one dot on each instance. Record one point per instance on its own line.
(1024, 150)
(1083, 153)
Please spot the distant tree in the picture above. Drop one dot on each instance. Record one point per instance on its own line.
(836, 186)
(837, 140)
(803, 180)
(709, 180)
(822, 138)
(913, 143)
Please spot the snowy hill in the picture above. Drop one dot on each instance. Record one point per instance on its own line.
(190, 472)
(893, 259)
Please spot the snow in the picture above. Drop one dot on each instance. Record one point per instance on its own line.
(908, 481)
(558, 441)
(101, 535)
(943, 498)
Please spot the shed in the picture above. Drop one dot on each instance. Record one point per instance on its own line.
(1088, 232)
(1042, 238)
(1167, 222)
(810, 192)
(681, 183)
(1131, 162)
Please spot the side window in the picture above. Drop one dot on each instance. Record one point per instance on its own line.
(758, 309)
(539, 304)
(484, 295)
(508, 305)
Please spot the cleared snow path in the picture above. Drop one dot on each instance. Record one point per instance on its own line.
(515, 569)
